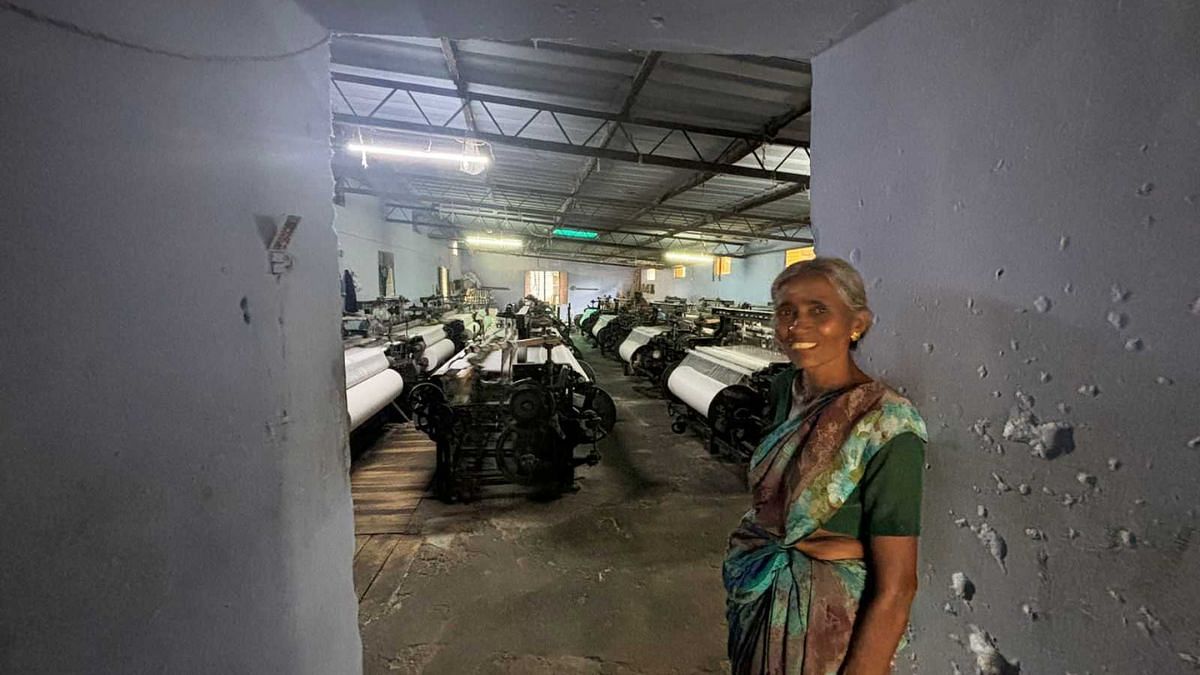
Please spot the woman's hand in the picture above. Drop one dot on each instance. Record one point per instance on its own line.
(883, 614)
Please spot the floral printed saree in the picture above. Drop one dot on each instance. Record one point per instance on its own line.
(790, 614)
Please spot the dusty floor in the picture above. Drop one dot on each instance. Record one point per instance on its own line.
(622, 577)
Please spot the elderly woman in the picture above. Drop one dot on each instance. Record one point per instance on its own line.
(821, 572)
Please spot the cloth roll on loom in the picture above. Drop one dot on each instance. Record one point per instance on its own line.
(638, 337)
(361, 363)
(601, 323)
(371, 395)
(437, 353)
(430, 334)
(694, 388)
(706, 370)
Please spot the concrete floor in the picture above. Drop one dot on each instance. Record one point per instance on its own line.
(620, 578)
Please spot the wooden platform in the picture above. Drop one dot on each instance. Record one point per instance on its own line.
(387, 484)
(390, 480)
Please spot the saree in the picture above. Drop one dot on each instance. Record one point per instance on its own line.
(789, 614)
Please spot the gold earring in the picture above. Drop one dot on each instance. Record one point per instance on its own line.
(854, 336)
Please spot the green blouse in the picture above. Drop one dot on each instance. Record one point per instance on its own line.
(887, 501)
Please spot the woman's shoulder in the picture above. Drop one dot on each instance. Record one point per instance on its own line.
(892, 416)
(784, 377)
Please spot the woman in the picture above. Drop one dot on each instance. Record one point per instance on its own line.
(821, 572)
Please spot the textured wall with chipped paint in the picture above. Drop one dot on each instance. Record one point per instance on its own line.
(1020, 185)
(173, 479)
(362, 233)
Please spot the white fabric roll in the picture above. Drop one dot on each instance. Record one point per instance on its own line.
(362, 363)
(437, 353)
(695, 389)
(558, 354)
(648, 331)
(430, 334)
(638, 337)
(603, 321)
(372, 395)
(627, 348)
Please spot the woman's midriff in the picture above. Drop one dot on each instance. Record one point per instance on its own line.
(829, 546)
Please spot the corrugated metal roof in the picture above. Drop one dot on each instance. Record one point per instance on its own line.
(740, 94)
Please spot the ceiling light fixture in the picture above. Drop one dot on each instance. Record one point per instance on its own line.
(683, 257)
(495, 242)
(389, 151)
(575, 234)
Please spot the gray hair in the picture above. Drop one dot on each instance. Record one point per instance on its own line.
(845, 280)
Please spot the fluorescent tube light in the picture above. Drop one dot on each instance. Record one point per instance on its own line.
(388, 151)
(682, 257)
(495, 242)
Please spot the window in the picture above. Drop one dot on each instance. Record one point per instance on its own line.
(795, 255)
(549, 286)
(648, 275)
(680, 272)
(722, 266)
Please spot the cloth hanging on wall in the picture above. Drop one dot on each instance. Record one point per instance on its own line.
(349, 295)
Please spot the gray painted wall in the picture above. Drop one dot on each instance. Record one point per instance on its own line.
(173, 480)
(362, 233)
(976, 157)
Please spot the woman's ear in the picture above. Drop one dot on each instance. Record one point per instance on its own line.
(862, 322)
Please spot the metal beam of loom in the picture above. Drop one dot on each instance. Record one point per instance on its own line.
(569, 148)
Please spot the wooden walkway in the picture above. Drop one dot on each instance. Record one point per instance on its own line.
(387, 484)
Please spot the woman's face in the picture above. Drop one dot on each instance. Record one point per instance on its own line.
(812, 322)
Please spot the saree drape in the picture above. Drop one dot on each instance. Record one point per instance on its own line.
(789, 614)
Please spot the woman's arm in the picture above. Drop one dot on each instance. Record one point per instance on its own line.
(883, 617)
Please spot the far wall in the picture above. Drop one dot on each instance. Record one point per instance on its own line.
(750, 280)
(498, 269)
(362, 233)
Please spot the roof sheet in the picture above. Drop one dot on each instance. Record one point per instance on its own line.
(741, 94)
